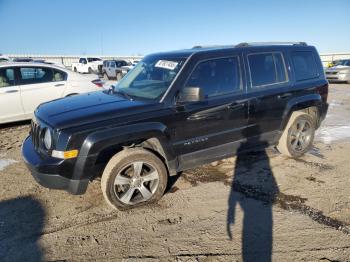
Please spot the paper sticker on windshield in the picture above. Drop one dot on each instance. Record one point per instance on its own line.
(166, 64)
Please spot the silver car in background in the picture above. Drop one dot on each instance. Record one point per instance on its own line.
(339, 72)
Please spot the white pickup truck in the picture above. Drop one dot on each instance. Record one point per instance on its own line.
(87, 65)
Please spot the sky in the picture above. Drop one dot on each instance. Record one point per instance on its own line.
(122, 27)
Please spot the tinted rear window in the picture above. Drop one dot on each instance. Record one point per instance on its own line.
(267, 69)
(304, 65)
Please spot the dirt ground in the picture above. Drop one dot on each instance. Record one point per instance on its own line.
(256, 207)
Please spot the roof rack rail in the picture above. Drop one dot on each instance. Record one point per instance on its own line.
(209, 46)
(244, 44)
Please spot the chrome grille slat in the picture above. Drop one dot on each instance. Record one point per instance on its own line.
(35, 132)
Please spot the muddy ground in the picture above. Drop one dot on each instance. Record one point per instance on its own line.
(255, 207)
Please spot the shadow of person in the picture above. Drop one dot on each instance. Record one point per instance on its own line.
(21, 224)
(254, 189)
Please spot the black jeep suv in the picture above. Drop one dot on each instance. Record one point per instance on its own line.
(175, 111)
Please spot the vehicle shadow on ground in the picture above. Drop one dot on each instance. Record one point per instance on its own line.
(254, 189)
(21, 225)
(15, 124)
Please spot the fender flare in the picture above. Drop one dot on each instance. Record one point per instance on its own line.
(300, 103)
(102, 139)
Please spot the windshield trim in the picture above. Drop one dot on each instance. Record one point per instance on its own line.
(161, 100)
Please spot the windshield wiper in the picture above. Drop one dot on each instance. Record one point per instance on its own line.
(124, 94)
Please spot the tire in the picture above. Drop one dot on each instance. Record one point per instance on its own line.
(105, 76)
(122, 188)
(298, 136)
(75, 69)
(90, 70)
(119, 76)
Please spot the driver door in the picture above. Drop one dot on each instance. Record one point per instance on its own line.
(211, 129)
(111, 69)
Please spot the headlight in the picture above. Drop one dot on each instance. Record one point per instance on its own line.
(47, 138)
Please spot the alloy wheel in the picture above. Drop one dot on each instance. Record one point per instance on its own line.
(136, 182)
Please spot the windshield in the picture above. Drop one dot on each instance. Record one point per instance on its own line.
(342, 62)
(93, 59)
(150, 78)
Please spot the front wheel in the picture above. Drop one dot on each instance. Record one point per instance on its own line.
(90, 70)
(105, 76)
(133, 177)
(298, 135)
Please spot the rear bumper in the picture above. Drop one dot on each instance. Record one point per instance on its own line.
(40, 168)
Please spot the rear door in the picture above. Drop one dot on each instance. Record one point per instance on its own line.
(269, 90)
(11, 108)
(39, 85)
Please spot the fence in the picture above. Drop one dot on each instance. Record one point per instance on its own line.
(328, 58)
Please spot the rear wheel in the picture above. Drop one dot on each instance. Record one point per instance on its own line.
(75, 69)
(298, 135)
(133, 177)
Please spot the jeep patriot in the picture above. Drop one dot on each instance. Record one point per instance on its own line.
(175, 111)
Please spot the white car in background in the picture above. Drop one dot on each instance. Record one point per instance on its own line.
(24, 86)
(87, 65)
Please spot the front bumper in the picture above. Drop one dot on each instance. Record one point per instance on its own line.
(41, 169)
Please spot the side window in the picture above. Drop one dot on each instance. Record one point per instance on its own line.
(59, 76)
(266, 69)
(34, 75)
(82, 61)
(7, 77)
(304, 65)
(112, 64)
(217, 77)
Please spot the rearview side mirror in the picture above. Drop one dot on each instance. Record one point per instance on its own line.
(191, 94)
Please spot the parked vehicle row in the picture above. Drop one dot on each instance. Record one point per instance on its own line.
(175, 111)
(23, 86)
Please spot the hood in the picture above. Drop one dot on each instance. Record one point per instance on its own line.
(89, 108)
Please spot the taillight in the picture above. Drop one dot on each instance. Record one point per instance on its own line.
(323, 91)
(98, 82)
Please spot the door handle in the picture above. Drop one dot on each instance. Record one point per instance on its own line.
(59, 85)
(236, 105)
(11, 91)
(283, 96)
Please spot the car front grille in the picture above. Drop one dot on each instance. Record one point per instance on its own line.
(35, 133)
(331, 73)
